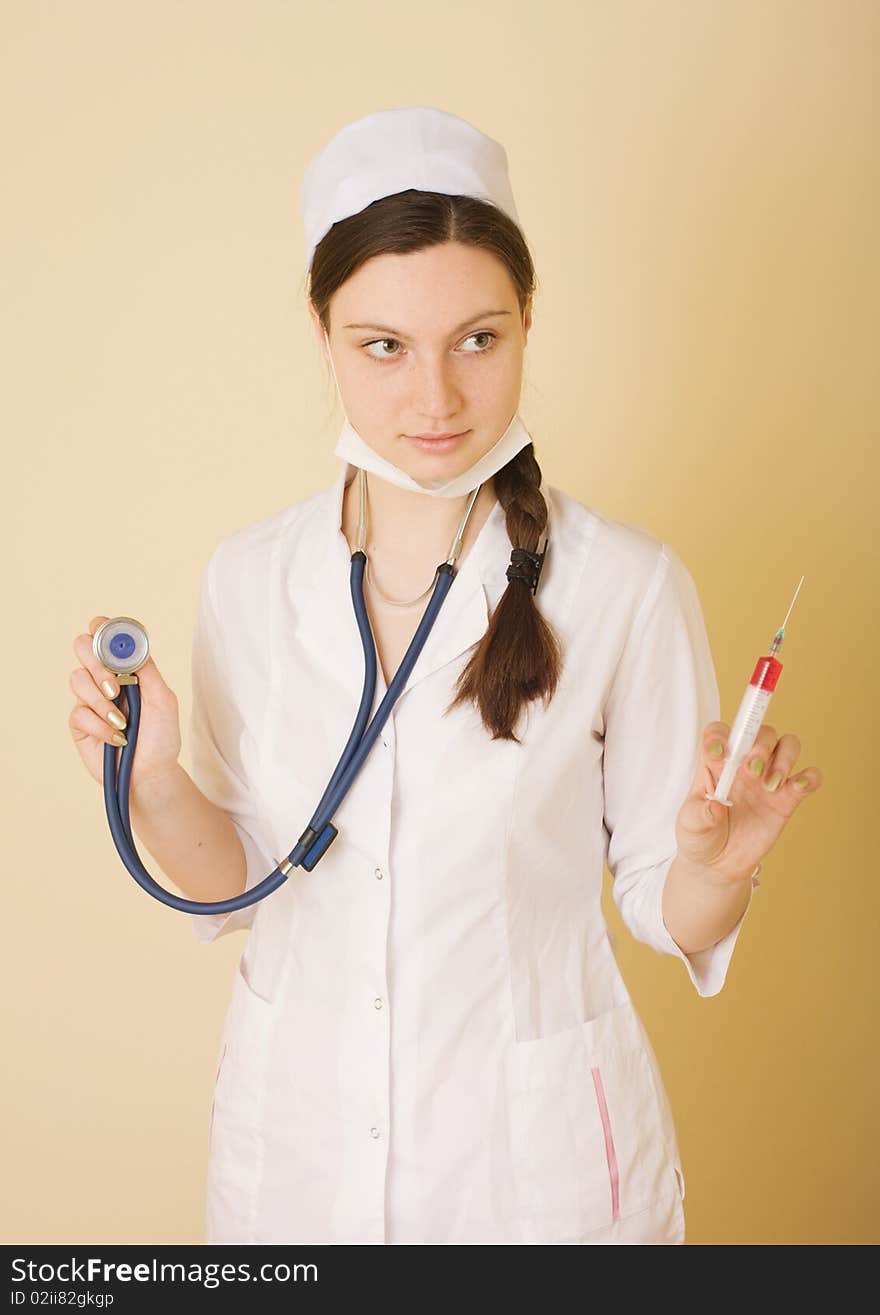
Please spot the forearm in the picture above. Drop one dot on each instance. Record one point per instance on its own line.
(193, 841)
(698, 909)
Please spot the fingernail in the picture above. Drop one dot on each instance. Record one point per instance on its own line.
(109, 689)
(115, 717)
(756, 766)
(801, 783)
(716, 749)
(118, 738)
(774, 780)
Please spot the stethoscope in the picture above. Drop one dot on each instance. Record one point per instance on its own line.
(122, 645)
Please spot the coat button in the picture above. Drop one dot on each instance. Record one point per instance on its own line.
(377, 1003)
(378, 874)
(374, 1132)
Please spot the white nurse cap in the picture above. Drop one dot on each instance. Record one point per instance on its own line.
(392, 151)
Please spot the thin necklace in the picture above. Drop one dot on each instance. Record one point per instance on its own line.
(397, 602)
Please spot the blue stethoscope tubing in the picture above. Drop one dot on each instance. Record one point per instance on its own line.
(320, 832)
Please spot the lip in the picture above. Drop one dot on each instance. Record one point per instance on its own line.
(437, 442)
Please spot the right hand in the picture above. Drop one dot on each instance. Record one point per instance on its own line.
(158, 742)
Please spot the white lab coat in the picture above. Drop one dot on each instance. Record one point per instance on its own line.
(429, 1039)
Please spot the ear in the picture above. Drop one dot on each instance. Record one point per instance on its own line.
(527, 317)
(318, 329)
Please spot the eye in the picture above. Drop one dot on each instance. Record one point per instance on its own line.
(483, 333)
(378, 342)
(384, 356)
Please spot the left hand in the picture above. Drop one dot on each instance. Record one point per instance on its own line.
(730, 842)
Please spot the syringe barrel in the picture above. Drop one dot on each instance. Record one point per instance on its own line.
(754, 703)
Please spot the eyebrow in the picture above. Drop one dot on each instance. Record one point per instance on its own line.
(395, 333)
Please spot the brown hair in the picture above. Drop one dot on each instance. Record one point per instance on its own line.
(518, 658)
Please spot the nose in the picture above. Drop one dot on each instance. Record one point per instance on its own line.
(436, 392)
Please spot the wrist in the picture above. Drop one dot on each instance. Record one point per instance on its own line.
(155, 791)
(700, 905)
(717, 877)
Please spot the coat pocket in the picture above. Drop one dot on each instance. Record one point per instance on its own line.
(249, 1019)
(588, 1139)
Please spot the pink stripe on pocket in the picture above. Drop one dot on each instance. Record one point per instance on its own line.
(610, 1153)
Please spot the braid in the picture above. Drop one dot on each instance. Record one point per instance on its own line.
(518, 489)
(518, 658)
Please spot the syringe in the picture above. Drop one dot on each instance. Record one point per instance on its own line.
(751, 711)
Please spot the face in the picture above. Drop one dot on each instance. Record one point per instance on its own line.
(436, 357)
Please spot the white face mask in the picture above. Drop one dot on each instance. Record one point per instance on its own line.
(351, 447)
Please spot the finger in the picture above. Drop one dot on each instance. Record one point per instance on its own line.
(782, 762)
(812, 781)
(85, 653)
(713, 752)
(82, 683)
(777, 764)
(765, 741)
(715, 733)
(755, 761)
(83, 721)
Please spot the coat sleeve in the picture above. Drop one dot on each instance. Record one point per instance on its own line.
(663, 694)
(217, 736)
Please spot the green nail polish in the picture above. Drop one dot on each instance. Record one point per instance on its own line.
(801, 783)
(716, 749)
(756, 766)
(774, 780)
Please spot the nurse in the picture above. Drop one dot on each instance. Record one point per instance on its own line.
(429, 1039)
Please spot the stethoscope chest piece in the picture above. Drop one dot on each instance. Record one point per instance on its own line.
(122, 645)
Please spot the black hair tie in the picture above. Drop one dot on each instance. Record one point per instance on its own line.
(525, 565)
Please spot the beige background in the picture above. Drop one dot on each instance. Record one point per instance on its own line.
(699, 186)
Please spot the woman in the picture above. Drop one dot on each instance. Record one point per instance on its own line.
(429, 1039)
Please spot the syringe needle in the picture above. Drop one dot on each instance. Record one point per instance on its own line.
(791, 604)
(780, 633)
